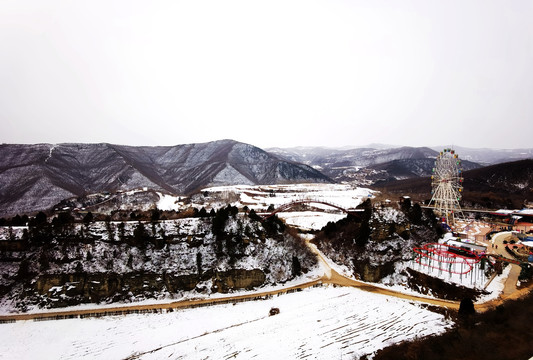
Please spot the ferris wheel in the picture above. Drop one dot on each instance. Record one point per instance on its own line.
(447, 187)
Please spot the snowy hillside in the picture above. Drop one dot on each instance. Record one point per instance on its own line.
(36, 177)
(367, 165)
(132, 261)
(369, 247)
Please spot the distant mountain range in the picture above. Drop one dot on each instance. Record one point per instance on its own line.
(505, 185)
(365, 166)
(364, 155)
(36, 177)
(487, 157)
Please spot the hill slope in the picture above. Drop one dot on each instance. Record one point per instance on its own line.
(35, 177)
(502, 185)
(364, 166)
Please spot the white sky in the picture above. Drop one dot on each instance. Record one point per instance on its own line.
(270, 73)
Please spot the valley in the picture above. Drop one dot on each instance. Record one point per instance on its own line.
(338, 294)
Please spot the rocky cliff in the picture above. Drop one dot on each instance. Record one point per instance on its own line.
(72, 263)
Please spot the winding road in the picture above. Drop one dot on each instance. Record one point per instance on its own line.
(330, 277)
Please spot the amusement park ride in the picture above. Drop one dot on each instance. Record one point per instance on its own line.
(447, 188)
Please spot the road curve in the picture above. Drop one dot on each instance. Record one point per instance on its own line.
(330, 277)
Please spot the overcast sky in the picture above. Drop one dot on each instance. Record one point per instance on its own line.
(270, 73)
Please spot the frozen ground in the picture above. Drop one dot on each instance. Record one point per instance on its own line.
(315, 323)
(259, 197)
(309, 220)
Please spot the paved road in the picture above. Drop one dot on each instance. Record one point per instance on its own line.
(510, 283)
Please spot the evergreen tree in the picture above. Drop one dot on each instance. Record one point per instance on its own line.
(140, 235)
(155, 215)
(88, 218)
(466, 312)
(24, 269)
(202, 213)
(406, 204)
(10, 234)
(392, 229)
(296, 267)
(364, 234)
(416, 214)
(39, 219)
(121, 231)
(44, 262)
(253, 215)
(17, 221)
(199, 263)
(110, 230)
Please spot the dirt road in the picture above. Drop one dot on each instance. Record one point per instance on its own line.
(333, 277)
(330, 277)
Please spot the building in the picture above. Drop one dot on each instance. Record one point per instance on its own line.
(522, 221)
(476, 249)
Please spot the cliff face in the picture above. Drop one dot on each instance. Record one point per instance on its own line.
(371, 245)
(60, 290)
(36, 177)
(130, 261)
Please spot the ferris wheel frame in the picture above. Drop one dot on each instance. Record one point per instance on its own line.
(447, 187)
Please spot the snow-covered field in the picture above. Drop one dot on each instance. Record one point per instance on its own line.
(309, 220)
(260, 197)
(318, 323)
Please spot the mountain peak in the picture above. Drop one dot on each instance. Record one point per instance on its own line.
(35, 177)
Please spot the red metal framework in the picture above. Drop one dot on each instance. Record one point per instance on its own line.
(445, 257)
(453, 259)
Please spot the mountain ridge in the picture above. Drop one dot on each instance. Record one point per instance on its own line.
(505, 185)
(35, 177)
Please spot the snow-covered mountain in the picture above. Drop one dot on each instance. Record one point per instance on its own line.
(505, 185)
(35, 177)
(366, 165)
(491, 156)
(335, 158)
(363, 165)
(410, 168)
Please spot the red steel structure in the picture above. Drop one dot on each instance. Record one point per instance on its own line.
(453, 259)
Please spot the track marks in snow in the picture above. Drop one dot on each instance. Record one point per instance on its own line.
(346, 323)
(327, 322)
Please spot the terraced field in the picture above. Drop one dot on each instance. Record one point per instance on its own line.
(326, 322)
